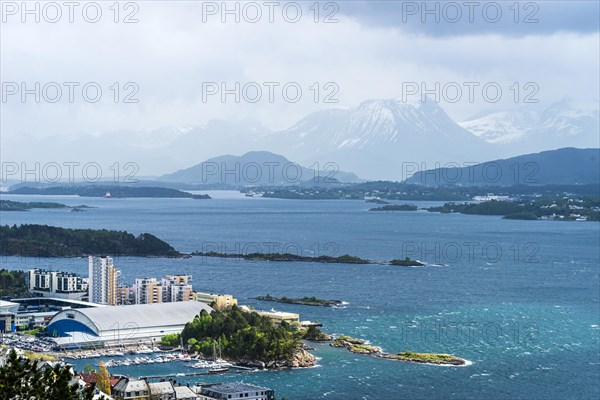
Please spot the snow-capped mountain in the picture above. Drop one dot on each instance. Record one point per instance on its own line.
(563, 124)
(378, 139)
(378, 136)
(503, 127)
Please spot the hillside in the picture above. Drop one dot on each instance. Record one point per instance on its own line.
(50, 241)
(567, 166)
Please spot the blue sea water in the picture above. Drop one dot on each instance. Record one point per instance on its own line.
(520, 299)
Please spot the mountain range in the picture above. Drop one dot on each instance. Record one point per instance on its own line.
(567, 166)
(376, 139)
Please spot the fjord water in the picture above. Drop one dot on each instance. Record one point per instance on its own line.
(520, 299)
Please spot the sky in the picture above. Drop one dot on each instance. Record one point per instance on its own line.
(179, 63)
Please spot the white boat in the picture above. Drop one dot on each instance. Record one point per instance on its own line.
(144, 350)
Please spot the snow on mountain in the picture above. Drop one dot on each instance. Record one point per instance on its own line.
(375, 140)
(378, 136)
(563, 124)
(503, 127)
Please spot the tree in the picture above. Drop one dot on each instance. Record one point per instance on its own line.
(170, 340)
(103, 378)
(21, 379)
(88, 369)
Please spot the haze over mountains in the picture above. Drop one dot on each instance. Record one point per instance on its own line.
(566, 166)
(563, 124)
(374, 140)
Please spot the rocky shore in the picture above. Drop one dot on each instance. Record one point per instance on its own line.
(360, 346)
(301, 359)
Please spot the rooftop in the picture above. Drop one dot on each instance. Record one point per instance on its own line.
(160, 388)
(140, 315)
(127, 385)
(234, 387)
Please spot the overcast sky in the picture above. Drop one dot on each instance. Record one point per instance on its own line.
(373, 51)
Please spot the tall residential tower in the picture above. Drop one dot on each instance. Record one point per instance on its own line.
(103, 280)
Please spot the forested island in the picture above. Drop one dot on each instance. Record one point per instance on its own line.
(562, 208)
(8, 205)
(246, 338)
(110, 191)
(283, 257)
(343, 259)
(396, 207)
(306, 301)
(50, 241)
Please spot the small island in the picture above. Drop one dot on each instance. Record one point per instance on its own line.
(343, 259)
(354, 345)
(361, 346)
(376, 201)
(112, 191)
(305, 301)
(8, 205)
(396, 207)
(407, 262)
(425, 358)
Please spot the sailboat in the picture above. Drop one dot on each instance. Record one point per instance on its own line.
(219, 365)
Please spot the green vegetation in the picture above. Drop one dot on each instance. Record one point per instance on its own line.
(114, 190)
(171, 340)
(396, 207)
(407, 262)
(556, 208)
(12, 283)
(428, 358)
(241, 336)
(360, 346)
(355, 345)
(344, 259)
(306, 301)
(387, 190)
(7, 205)
(522, 216)
(376, 201)
(21, 378)
(49, 241)
(313, 333)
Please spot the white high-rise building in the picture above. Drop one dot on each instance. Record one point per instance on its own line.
(148, 291)
(177, 288)
(103, 280)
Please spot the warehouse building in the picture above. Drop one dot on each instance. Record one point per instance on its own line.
(122, 325)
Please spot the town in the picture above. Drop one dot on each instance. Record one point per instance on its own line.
(65, 316)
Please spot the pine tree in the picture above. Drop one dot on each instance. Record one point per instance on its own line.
(21, 379)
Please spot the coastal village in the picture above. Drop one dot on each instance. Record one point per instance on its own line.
(65, 316)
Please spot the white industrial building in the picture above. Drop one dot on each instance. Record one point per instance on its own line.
(122, 325)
